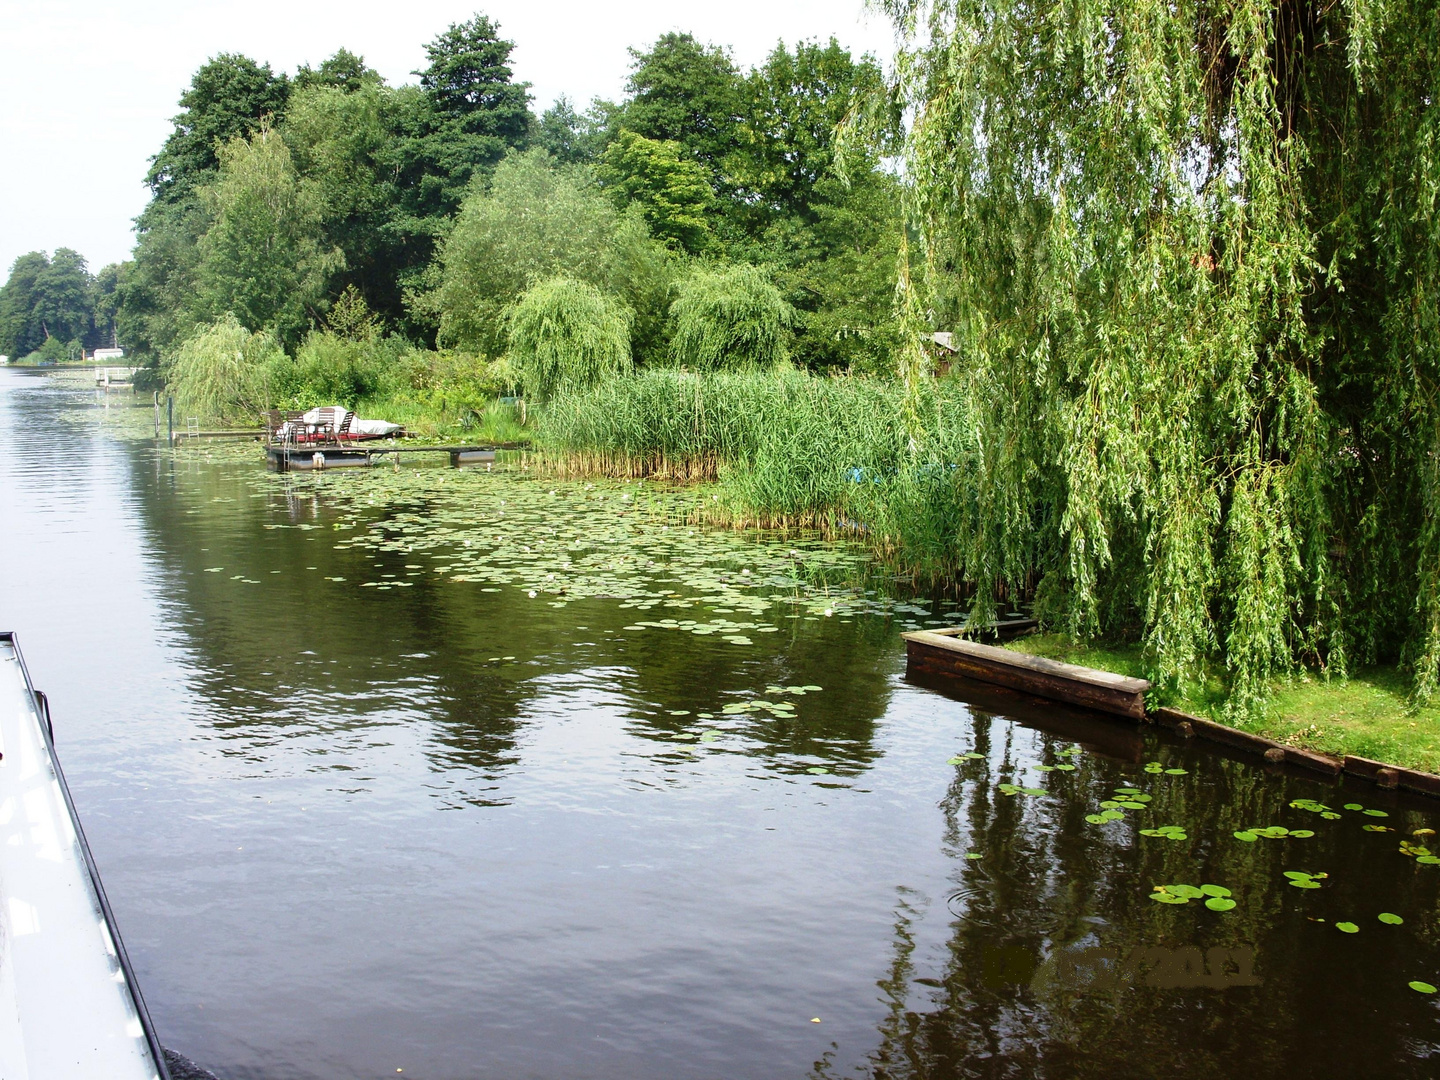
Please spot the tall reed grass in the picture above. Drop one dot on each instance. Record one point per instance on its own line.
(789, 450)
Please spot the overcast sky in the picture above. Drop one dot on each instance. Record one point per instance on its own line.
(88, 87)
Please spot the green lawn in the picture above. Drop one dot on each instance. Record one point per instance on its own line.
(1368, 714)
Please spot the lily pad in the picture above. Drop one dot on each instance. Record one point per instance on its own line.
(1389, 919)
(1219, 903)
(1428, 860)
(1176, 772)
(817, 770)
(1421, 987)
(1096, 819)
(1218, 891)
(1347, 928)
(1167, 898)
(1301, 834)
(1353, 806)
(1246, 835)
(1375, 813)
(973, 855)
(1190, 892)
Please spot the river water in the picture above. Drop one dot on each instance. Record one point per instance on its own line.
(476, 774)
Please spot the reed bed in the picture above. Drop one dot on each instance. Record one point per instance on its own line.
(789, 450)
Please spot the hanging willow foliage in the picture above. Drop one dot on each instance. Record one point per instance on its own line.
(1189, 250)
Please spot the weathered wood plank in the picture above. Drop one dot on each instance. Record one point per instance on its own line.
(944, 654)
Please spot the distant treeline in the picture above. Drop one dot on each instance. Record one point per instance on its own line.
(275, 195)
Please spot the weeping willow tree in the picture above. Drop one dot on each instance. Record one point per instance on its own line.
(1189, 250)
(565, 333)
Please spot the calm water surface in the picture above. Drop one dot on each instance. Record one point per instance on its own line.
(364, 803)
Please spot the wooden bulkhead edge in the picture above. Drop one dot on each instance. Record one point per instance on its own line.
(1021, 671)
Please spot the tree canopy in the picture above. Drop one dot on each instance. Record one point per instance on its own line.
(1191, 257)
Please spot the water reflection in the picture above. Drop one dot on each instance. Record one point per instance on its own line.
(363, 802)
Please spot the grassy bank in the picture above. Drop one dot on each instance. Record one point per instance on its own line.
(1369, 714)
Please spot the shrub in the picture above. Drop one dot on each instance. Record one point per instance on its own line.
(565, 333)
(730, 318)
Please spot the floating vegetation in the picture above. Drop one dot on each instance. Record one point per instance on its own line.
(1390, 920)
(1316, 808)
(1157, 767)
(1216, 897)
(1419, 852)
(1421, 987)
(1271, 832)
(960, 759)
(1303, 880)
(1015, 789)
(1168, 832)
(1347, 928)
(973, 855)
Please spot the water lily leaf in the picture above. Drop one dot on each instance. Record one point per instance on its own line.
(1298, 875)
(1127, 791)
(1301, 833)
(1421, 987)
(1176, 772)
(1113, 815)
(1246, 835)
(1375, 813)
(1305, 883)
(1190, 892)
(1429, 860)
(1220, 903)
(817, 770)
(1109, 804)
(1096, 819)
(1353, 806)
(1330, 815)
(1167, 898)
(1065, 768)
(973, 855)
(1347, 928)
(1130, 804)
(1390, 920)
(1215, 890)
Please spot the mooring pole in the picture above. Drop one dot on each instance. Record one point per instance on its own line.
(156, 396)
(170, 418)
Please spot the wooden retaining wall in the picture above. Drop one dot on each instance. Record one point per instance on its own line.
(946, 653)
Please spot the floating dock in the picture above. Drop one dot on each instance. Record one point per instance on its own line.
(69, 1006)
(284, 457)
(945, 652)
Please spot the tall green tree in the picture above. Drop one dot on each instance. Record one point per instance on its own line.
(228, 96)
(1193, 256)
(671, 190)
(344, 71)
(451, 132)
(538, 222)
(45, 298)
(343, 146)
(262, 259)
(571, 137)
(685, 92)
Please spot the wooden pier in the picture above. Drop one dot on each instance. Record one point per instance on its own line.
(287, 457)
